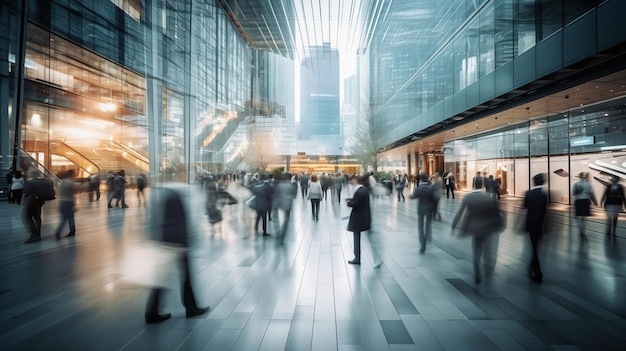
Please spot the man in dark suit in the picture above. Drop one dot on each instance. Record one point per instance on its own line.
(449, 185)
(482, 221)
(475, 178)
(173, 231)
(304, 185)
(264, 191)
(426, 207)
(34, 190)
(536, 203)
(360, 216)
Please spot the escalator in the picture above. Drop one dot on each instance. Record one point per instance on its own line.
(139, 161)
(85, 166)
(57, 156)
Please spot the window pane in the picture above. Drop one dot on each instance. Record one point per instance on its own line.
(524, 22)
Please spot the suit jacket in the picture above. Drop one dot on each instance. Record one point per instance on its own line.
(536, 201)
(426, 196)
(450, 180)
(174, 229)
(263, 192)
(480, 213)
(361, 216)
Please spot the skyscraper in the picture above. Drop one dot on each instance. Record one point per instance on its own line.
(319, 100)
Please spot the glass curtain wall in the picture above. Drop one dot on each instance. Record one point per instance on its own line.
(427, 64)
(562, 145)
(81, 111)
(153, 87)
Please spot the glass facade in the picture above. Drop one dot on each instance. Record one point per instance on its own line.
(427, 66)
(590, 139)
(146, 86)
(171, 88)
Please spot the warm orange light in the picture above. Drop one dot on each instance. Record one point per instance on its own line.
(107, 107)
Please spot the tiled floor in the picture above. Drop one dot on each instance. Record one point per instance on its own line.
(78, 293)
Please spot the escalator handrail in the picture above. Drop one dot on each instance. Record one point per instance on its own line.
(61, 142)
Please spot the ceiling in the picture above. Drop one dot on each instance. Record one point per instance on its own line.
(289, 28)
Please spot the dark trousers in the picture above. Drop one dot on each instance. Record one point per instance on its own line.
(534, 262)
(339, 194)
(305, 189)
(94, 188)
(357, 245)
(261, 215)
(32, 219)
(15, 196)
(424, 228)
(400, 192)
(67, 215)
(449, 189)
(283, 230)
(482, 246)
(188, 299)
(315, 208)
(120, 196)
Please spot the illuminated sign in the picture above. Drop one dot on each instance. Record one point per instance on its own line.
(581, 141)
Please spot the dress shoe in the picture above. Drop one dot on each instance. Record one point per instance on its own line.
(355, 261)
(266, 234)
(109, 206)
(70, 234)
(32, 239)
(197, 311)
(124, 206)
(157, 318)
(477, 280)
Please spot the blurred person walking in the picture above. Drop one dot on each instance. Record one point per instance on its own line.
(613, 200)
(119, 187)
(174, 231)
(536, 203)
(325, 183)
(304, 185)
(142, 181)
(482, 220)
(449, 181)
(400, 185)
(94, 187)
(286, 192)
(315, 195)
(437, 189)
(212, 210)
(67, 204)
(584, 196)
(17, 187)
(36, 192)
(492, 188)
(272, 204)
(360, 216)
(110, 188)
(426, 207)
(263, 191)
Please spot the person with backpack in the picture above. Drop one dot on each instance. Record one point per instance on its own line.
(613, 200)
